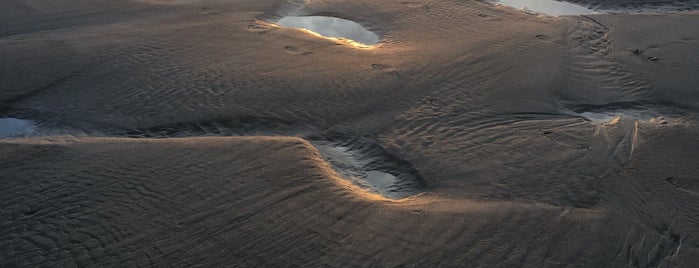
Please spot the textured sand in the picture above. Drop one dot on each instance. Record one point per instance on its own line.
(490, 117)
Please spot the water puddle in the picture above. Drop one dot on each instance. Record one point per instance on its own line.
(368, 166)
(333, 28)
(13, 127)
(563, 8)
(548, 7)
(614, 117)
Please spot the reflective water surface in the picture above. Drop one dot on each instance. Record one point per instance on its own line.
(613, 117)
(10, 127)
(548, 7)
(368, 166)
(332, 27)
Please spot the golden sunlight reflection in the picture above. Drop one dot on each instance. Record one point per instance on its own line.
(336, 29)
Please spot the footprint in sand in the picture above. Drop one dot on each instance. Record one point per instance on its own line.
(296, 51)
(636, 51)
(377, 66)
(257, 28)
(677, 65)
(415, 4)
(207, 11)
(387, 69)
(291, 49)
(489, 17)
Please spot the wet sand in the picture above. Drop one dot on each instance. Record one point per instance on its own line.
(198, 133)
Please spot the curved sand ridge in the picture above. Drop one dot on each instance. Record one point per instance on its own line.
(487, 113)
(361, 161)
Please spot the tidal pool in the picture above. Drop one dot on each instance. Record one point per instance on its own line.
(332, 27)
(548, 7)
(370, 167)
(613, 117)
(601, 118)
(11, 127)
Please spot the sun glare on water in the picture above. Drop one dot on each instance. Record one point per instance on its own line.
(336, 29)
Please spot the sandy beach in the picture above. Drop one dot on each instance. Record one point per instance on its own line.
(182, 133)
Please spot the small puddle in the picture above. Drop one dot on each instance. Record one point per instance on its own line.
(548, 7)
(13, 127)
(613, 117)
(563, 8)
(601, 118)
(368, 166)
(333, 28)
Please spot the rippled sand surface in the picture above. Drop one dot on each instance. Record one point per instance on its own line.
(202, 133)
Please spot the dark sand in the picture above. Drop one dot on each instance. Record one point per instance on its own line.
(519, 140)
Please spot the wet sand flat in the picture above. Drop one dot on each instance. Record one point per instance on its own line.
(201, 133)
